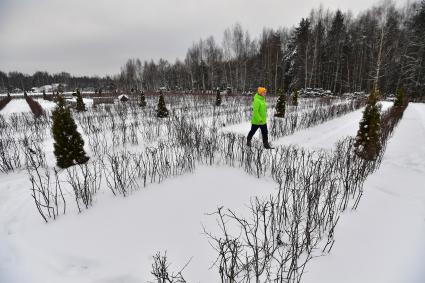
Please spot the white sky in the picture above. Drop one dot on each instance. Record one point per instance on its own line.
(87, 37)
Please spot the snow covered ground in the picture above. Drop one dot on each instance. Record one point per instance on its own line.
(323, 136)
(16, 106)
(114, 241)
(87, 101)
(384, 239)
(20, 105)
(46, 105)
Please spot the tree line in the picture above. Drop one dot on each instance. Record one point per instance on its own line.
(17, 80)
(382, 47)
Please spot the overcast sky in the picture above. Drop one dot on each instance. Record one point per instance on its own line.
(88, 37)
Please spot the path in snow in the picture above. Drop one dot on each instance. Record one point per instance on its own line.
(16, 106)
(328, 133)
(46, 104)
(323, 136)
(384, 239)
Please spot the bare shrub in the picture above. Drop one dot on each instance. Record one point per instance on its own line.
(161, 270)
(85, 180)
(46, 190)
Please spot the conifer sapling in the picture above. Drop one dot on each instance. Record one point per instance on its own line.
(280, 105)
(142, 102)
(368, 140)
(295, 98)
(80, 103)
(218, 98)
(399, 98)
(68, 143)
(162, 111)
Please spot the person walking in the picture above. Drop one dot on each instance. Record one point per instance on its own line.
(259, 117)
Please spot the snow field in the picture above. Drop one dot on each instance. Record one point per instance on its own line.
(15, 106)
(46, 105)
(325, 135)
(383, 240)
(244, 127)
(322, 136)
(114, 240)
(47, 260)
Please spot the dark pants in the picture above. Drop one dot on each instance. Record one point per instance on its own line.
(264, 133)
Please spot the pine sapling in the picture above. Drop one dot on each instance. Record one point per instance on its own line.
(80, 103)
(280, 105)
(368, 140)
(68, 143)
(142, 102)
(218, 98)
(295, 98)
(400, 98)
(162, 111)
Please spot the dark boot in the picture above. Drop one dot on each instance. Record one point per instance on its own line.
(265, 135)
(248, 142)
(268, 146)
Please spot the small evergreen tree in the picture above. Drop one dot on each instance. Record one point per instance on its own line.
(295, 98)
(162, 110)
(80, 103)
(280, 105)
(368, 140)
(142, 102)
(123, 98)
(218, 98)
(44, 94)
(60, 88)
(68, 145)
(399, 98)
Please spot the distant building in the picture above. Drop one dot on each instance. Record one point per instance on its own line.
(49, 88)
(46, 88)
(123, 98)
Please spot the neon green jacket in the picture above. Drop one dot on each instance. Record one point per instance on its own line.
(259, 110)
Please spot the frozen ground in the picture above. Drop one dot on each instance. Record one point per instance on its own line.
(16, 106)
(46, 105)
(322, 136)
(87, 101)
(327, 134)
(384, 239)
(20, 105)
(115, 239)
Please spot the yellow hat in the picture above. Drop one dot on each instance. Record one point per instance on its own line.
(261, 90)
